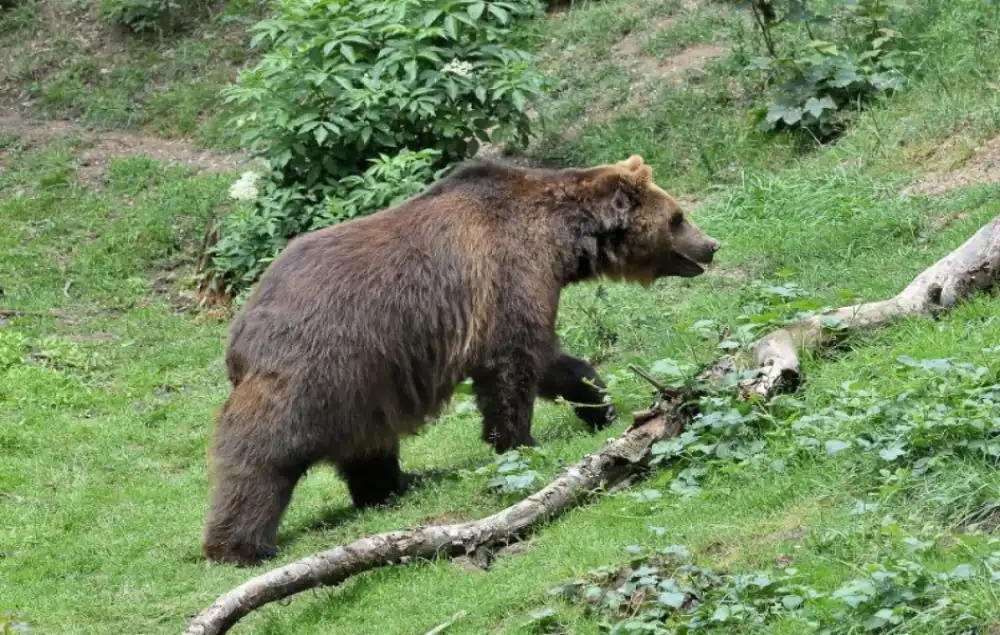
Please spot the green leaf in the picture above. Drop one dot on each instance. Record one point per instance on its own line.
(844, 78)
(892, 452)
(431, 17)
(476, 10)
(499, 13)
(673, 599)
(321, 134)
(348, 53)
(451, 27)
(792, 602)
(519, 100)
(815, 107)
(835, 446)
(647, 495)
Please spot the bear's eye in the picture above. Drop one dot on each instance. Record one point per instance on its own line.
(676, 219)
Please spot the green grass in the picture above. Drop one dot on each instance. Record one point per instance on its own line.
(105, 409)
(73, 65)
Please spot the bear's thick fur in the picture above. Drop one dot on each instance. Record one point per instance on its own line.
(358, 333)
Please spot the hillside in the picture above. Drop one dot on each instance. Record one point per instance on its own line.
(865, 502)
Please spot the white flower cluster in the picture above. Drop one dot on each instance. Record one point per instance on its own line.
(458, 67)
(245, 189)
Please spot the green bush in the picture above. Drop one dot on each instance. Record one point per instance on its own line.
(819, 80)
(260, 226)
(151, 16)
(348, 88)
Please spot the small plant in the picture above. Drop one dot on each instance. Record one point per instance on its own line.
(948, 412)
(150, 16)
(264, 218)
(511, 472)
(820, 81)
(663, 592)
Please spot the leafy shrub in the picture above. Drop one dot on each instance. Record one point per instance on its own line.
(511, 472)
(346, 83)
(149, 16)
(819, 81)
(667, 592)
(255, 232)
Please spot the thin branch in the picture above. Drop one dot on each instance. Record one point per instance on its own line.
(437, 630)
(11, 313)
(663, 390)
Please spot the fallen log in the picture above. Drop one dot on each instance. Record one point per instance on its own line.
(620, 459)
(973, 267)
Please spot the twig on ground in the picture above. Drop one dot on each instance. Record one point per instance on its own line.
(663, 390)
(437, 630)
(11, 313)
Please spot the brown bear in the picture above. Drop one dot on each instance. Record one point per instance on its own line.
(357, 334)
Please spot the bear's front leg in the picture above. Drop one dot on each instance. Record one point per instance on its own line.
(577, 382)
(505, 394)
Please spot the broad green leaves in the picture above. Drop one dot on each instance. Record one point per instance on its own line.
(348, 85)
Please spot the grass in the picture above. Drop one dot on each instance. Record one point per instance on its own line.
(106, 407)
(71, 64)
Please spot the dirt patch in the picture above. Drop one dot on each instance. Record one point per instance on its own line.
(981, 168)
(97, 148)
(671, 68)
(985, 519)
(482, 559)
(936, 224)
(628, 49)
(649, 73)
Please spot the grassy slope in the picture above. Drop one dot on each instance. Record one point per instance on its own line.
(61, 59)
(105, 413)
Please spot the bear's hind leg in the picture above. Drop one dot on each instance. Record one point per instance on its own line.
(259, 453)
(577, 382)
(375, 478)
(248, 500)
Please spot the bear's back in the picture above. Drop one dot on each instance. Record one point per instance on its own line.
(392, 307)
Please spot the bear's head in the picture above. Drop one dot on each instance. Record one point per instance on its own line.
(642, 233)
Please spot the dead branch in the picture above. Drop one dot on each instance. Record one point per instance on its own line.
(620, 459)
(972, 267)
(12, 313)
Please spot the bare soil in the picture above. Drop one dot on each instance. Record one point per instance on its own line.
(649, 72)
(981, 168)
(97, 148)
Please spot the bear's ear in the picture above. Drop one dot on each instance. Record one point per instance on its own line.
(616, 202)
(632, 163)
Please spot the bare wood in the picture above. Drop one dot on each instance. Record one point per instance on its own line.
(620, 459)
(973, 267)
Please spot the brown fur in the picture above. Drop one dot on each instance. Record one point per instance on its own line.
(358, 334)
